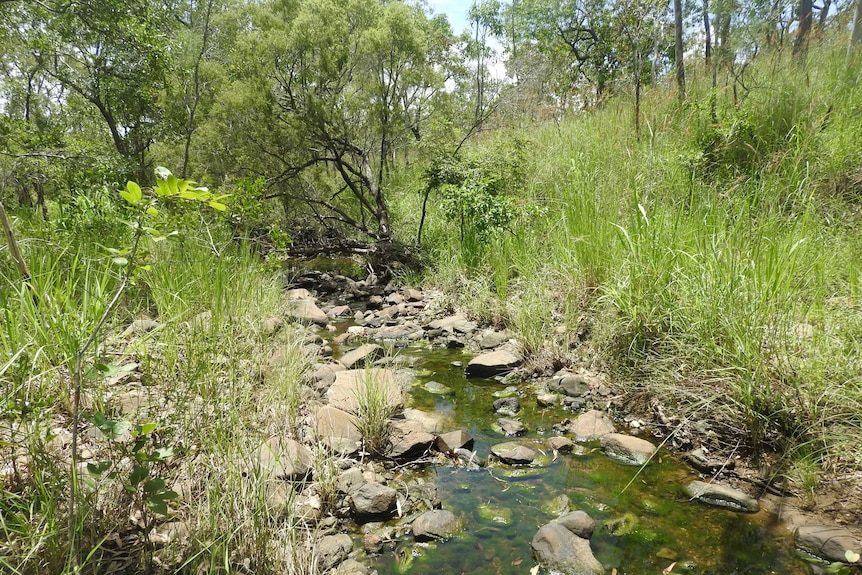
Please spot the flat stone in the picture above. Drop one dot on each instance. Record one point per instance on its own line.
(435, 524)
(449, 442)
(413, 295)
(498, 362)
(721, 496)
(507, 405)
(139, 327)
(437, 388)
(513, 453)
(339, 311)
(409, 440)
(337, 429)
(511, 427)
(578, 522)
(324, 376)
(350, 567)
(561, 444)
(628, 449)
(285, 459)
(298, 293)
(591, 426)
(489, 339)
(562, 551)
(828, 542)
(373, 500)
(699, 459)
(332, 550)
(306, 310)
(457, 323)
(572, 385)
(350, 385)
(468, 458)
(431, 422)
(361, 355)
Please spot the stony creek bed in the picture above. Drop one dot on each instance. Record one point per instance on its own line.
(533, 474)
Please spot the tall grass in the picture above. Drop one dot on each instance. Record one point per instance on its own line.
(712, 257)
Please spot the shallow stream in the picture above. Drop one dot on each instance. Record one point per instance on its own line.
(645, 522)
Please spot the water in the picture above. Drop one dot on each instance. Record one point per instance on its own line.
(645, 522)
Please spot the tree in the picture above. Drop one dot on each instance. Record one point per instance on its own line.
(856, 36)
(678, 48)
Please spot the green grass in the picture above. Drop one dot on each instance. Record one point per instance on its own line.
(707, 259)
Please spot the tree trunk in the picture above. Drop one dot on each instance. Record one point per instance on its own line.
(804, 31)
(856, 36)
(707, 32)
(680, 65)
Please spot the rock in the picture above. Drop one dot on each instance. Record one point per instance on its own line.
(560, 505)
(828, 542)
(561, 444)
(139, 327)
(457, 323)
(298, 293)
(373, 500)
(511, 427)
(435, 524)
(437, 388)
(513, 453)
(351, 567)
(409, 440)
(579, 523)
(373, 543)
(489, 339)
(130, 402)
(306, 310)
(547, 399)
(350, 480)
(332, 550)
(285, 459)
(628, 449)
(493, 363)
(174, 531)
(699, 459)
(362, 355)
(431, 422)
(272, 325)
(449, 442)
(495, 514)
(622, 525)
(507, 405)
(350, 385)
(562, 551)
(324, 376)
(572, 385)
(339, 311)
(337, 429)
(413, 295)
(721, 496)
(591, 426)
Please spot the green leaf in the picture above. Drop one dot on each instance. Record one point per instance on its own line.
(154, 485)
(217, 206)
(162, 453)
(851, 556)
(151, 211)
(132, 193)
(138, 474)
(120, 261)
(156, 505)
(119, 428)
(169, 495)
(97, 469)
(145, 428)
(162, 172)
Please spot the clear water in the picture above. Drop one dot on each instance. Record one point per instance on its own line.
(655, 523)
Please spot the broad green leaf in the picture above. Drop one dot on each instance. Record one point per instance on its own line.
(145, 428)
(97, 469)
(163, 453)
(156, 505)
(118, 428)
(120, 261)
(139, 473)
(169, 495)
(151, 211)
(154, 485)
(173, 184)
(218, 206)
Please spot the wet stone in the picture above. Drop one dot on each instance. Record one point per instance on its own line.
(435, 524)
(628, 449)
(562, 551)
(332, 550)
(591, 426)
(437, 388)
(561, 444)
(579, 523)
(453, 440)
(513, 453)
(511, 427)
(507, 405)
(828, 542)
(499, 362)
(721, 496)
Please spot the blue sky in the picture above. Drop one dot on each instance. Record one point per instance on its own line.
(455, 10)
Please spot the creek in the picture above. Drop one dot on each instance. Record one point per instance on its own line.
(645, 522)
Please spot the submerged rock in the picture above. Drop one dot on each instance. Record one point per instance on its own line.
(495, 513)
(511, 427)
(562, 551)
(513, 453)
(435, 524)
(437, 388)
(721, 496)
(631, 450)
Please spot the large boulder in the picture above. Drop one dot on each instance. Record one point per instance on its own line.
(828, 542)
(352, 385)
(578, 522)
(306, 310)
(493, 363)
(284, 459)
(361, 355)
(373, 500)
(628, 449)
(337, 429)
(722, 496)
(435, 524)
(562, 551)
(591, 426)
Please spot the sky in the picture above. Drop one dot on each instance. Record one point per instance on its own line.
(455, 10)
